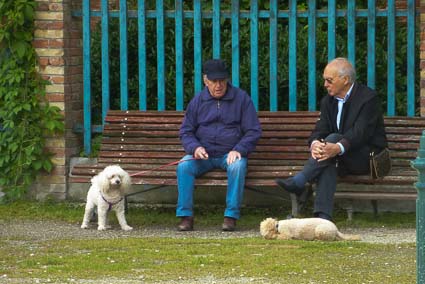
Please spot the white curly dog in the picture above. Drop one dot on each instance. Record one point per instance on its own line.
(107, 193)
(307, 229)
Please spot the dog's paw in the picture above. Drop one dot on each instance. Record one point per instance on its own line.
(84, 226)
(101, 228)
(127, 228)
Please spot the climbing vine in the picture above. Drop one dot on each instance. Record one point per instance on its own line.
(26, 118)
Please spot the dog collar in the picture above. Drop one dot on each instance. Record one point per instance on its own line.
(110, 203)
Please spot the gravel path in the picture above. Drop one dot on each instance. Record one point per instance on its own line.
(48, 230)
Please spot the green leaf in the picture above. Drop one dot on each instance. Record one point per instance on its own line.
(37, 165)
(19, 47)
(47, 165)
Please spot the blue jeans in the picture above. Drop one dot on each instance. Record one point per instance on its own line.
(188, 171)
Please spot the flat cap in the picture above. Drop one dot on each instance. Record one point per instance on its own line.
(216, 69)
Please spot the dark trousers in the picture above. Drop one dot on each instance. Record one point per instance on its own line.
(325, 173)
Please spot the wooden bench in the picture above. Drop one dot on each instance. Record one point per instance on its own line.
(140, 141)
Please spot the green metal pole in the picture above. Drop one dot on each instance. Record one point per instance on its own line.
(419, 165)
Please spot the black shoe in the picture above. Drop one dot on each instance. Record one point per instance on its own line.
(323, 216)
(290, 186)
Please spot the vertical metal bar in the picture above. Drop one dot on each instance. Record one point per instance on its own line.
(420, 231)
(235, 43)
(142, 54)
(419, 165)
(371, 25)
(197, 22)
(216, 29)
(351, 31)
(87, 76)
(179, 55)
(254, 52)
(105, 58)
(273, 55)
(411, 60)
(123, 55)
(391, 59)
(160, 57)
(312, 55)
(331, 29)
(292, 55)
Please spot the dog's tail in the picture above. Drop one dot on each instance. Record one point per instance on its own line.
(347, 237)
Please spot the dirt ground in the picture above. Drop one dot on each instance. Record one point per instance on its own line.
(48, 230)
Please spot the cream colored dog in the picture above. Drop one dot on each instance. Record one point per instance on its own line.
(307, 229)
(107, 193)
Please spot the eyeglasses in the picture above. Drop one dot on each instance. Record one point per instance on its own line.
(331, 80)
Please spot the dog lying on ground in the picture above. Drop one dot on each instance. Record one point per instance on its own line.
(307, 229)
(107, 193)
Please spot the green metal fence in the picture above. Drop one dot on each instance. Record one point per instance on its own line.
(201, 11)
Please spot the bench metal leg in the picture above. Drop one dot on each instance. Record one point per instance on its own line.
(375, 207)
(350, 211)
(299, 203)
(295, 212)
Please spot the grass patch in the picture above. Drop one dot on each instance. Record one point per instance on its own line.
(199, 260)
(161, 259)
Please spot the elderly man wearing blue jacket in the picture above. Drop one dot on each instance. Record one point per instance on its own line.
(219, 130)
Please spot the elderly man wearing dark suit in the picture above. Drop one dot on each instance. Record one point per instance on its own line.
(350, 126)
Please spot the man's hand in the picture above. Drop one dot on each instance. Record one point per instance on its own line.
(324, 150)
(232, 157)
(200, 153)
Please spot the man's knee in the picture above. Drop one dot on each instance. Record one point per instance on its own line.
(237, 166)
(333, 138)
(185, 167)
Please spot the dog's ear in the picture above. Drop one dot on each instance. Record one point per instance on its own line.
(268, 228)
(102, 181)
(126, 180)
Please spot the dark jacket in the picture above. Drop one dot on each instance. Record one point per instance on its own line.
(362, 122)
(230, 123)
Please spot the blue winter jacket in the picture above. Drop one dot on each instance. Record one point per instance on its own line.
(221, 125)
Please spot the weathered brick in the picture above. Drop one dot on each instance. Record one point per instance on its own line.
(48, 43)
(55, 88)
(56, 61)
(53, 70)
(49, 52)
(55, 97)
(55, 142)
(42, 15)
(43, 61)
(56, 7)
(48, 34)
(49, 25)
(59, 160)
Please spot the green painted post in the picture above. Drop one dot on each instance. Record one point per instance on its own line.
(419, 165)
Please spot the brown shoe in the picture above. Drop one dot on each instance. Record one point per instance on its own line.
(229, 224)
(186, 224)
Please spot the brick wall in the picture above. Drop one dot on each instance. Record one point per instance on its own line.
(57, 40)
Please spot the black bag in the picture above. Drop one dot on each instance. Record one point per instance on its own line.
(380, 164)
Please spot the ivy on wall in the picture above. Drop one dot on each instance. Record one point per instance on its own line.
(26, 118)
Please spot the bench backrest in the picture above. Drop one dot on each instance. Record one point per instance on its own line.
(147, 140)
